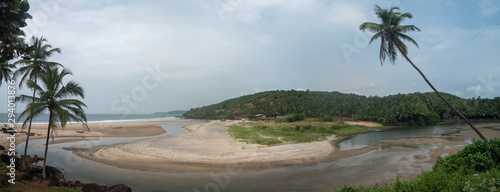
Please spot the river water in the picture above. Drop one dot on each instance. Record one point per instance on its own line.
(369, 168)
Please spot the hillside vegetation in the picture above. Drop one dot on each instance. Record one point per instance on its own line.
(414, 108)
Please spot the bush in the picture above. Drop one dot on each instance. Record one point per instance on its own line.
(433, 118)
(292, 118)
(477, 156)
(334, 126)
(420, 120)
(327, 118)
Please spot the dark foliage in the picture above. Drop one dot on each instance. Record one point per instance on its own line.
(13, 15)
(412, 109)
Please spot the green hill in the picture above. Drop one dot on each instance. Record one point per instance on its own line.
(414, 108)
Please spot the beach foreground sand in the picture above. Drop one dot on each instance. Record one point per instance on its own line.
(206, 144)
(129, 129)
(208, 147)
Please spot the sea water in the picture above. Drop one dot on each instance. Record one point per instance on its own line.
(99, 118)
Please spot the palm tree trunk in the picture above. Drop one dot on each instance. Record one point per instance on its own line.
(449, 104)
(47, 142)
(28, 137)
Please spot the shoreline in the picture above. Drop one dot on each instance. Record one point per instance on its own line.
(128, 129)
(209, 148)
(206, 148)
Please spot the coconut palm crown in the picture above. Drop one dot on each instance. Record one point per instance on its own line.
(391, 32)
(34, 62)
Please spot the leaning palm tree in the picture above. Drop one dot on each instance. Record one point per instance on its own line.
(391, 33)
(33, 64)
(55, 98)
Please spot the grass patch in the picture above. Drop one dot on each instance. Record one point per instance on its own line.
(275, 133)
(348, 130)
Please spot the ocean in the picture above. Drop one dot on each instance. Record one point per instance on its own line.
(99, 118)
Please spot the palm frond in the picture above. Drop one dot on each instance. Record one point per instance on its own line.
(373, 27)
(25, 98)
(408, 38)
(376, 36)
(32, 110)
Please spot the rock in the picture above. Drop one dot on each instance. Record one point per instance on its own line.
(53, 181)
(3, 179)
(52, 171)
(55, 176)
(5, 158)
(73, 184)
(92, 187)
(119, 188)
(32, 172)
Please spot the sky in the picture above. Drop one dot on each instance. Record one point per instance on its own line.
(149, 56)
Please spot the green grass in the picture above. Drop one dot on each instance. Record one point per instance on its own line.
(274, 133)
(349, 130)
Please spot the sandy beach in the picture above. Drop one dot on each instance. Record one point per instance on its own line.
(208, 147)
(129, 129)
(206, 144)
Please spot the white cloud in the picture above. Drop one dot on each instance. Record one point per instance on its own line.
(440, 46)
(488, 8)
(346, 14)
(371, 85)
(265, 39)
(219, 48)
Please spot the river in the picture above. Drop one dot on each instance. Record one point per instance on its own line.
(376, 166)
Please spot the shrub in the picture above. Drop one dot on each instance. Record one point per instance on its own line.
(477, 156)
(292, 118)
(420, 120)
(334, 126)
(327, 118)
(433, 118)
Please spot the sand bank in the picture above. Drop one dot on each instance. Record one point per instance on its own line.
(364, 123)
(208, 146)
(129, 129)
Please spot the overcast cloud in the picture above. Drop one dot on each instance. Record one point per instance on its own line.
(150, 56)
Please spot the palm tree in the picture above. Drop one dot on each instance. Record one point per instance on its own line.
(34, 64)
(6, 72)
(391, 32)
(55, 98)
